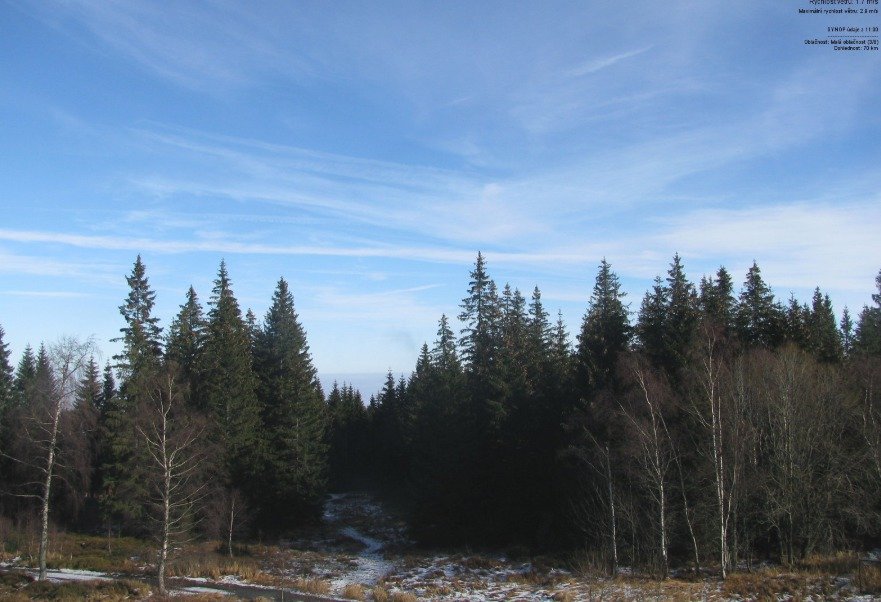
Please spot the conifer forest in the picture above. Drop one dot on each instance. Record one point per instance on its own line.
(708, 427)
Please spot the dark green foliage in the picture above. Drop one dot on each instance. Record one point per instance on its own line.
(681, 318)
(123, 455)
(823, 337)
(758, 319)
(7, 377)
(108, 387)
(867, 339)
(141, 335)
(795, 323)
(846, 332)
(294, 414)
(90, 390)
(186, 336)
(227, 387)
(25, 374)
(439, 454)
(347, 438)
(605, 333)
(717, 300)
(651, 320)
(668, 320)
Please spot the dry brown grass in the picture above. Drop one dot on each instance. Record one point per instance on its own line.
(766, 585)
(380, 594)
(318, 587)
(213, 566)
(564, 596)
(839, 563)
(354, 591)
(403, 597)
(867, 579)
(103, 591)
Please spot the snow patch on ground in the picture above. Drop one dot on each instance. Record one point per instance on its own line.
(59, 575)
(195, 591)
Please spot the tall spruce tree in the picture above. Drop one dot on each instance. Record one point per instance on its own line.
(717, 300)
(867, 338)
(605, 333)
(185, 339)
(480, 343)
(7, 377)
(440, 489)
(823, 336)
(141, 335)
(651, 322)
(846, 330)
(139, 361)
(25, 374)
(86, 426)
(681, 318)
(758, 317)
(228, 388)
(294, 413)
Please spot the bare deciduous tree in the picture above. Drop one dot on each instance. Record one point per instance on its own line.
(39, 449)
(172, 438)
(654, 454)
(719, 413)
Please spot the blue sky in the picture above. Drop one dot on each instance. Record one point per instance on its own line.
(367, 151)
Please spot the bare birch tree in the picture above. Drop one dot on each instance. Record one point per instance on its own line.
(172, 437)
(716, 412)
(39, 450)
(654, 452)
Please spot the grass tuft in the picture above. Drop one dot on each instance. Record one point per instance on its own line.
(354, 591)
(313, 586)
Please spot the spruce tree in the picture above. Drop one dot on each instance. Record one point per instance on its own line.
(823, 336)
(481, 344)
(796, 318)
(651, 322)
(185, 339)
(846, 330)
(717, 300)
(539, 337)
(137, 365)
(680, 319)
(867, 338)
(346, 437)
(443, 354)
(757, 317)
(7, 377)
(293, 412)
(141, 335)
(86, 419)
(227, 388)
(108, 387)
(605, 333)
(25, 374)
(440, 488)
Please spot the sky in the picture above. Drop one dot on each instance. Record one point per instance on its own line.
(366, 151)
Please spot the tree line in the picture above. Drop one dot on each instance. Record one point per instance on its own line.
(715, 428)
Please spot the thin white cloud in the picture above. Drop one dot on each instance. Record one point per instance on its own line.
(598, 64)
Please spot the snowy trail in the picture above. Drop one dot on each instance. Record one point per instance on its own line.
(357, 517)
